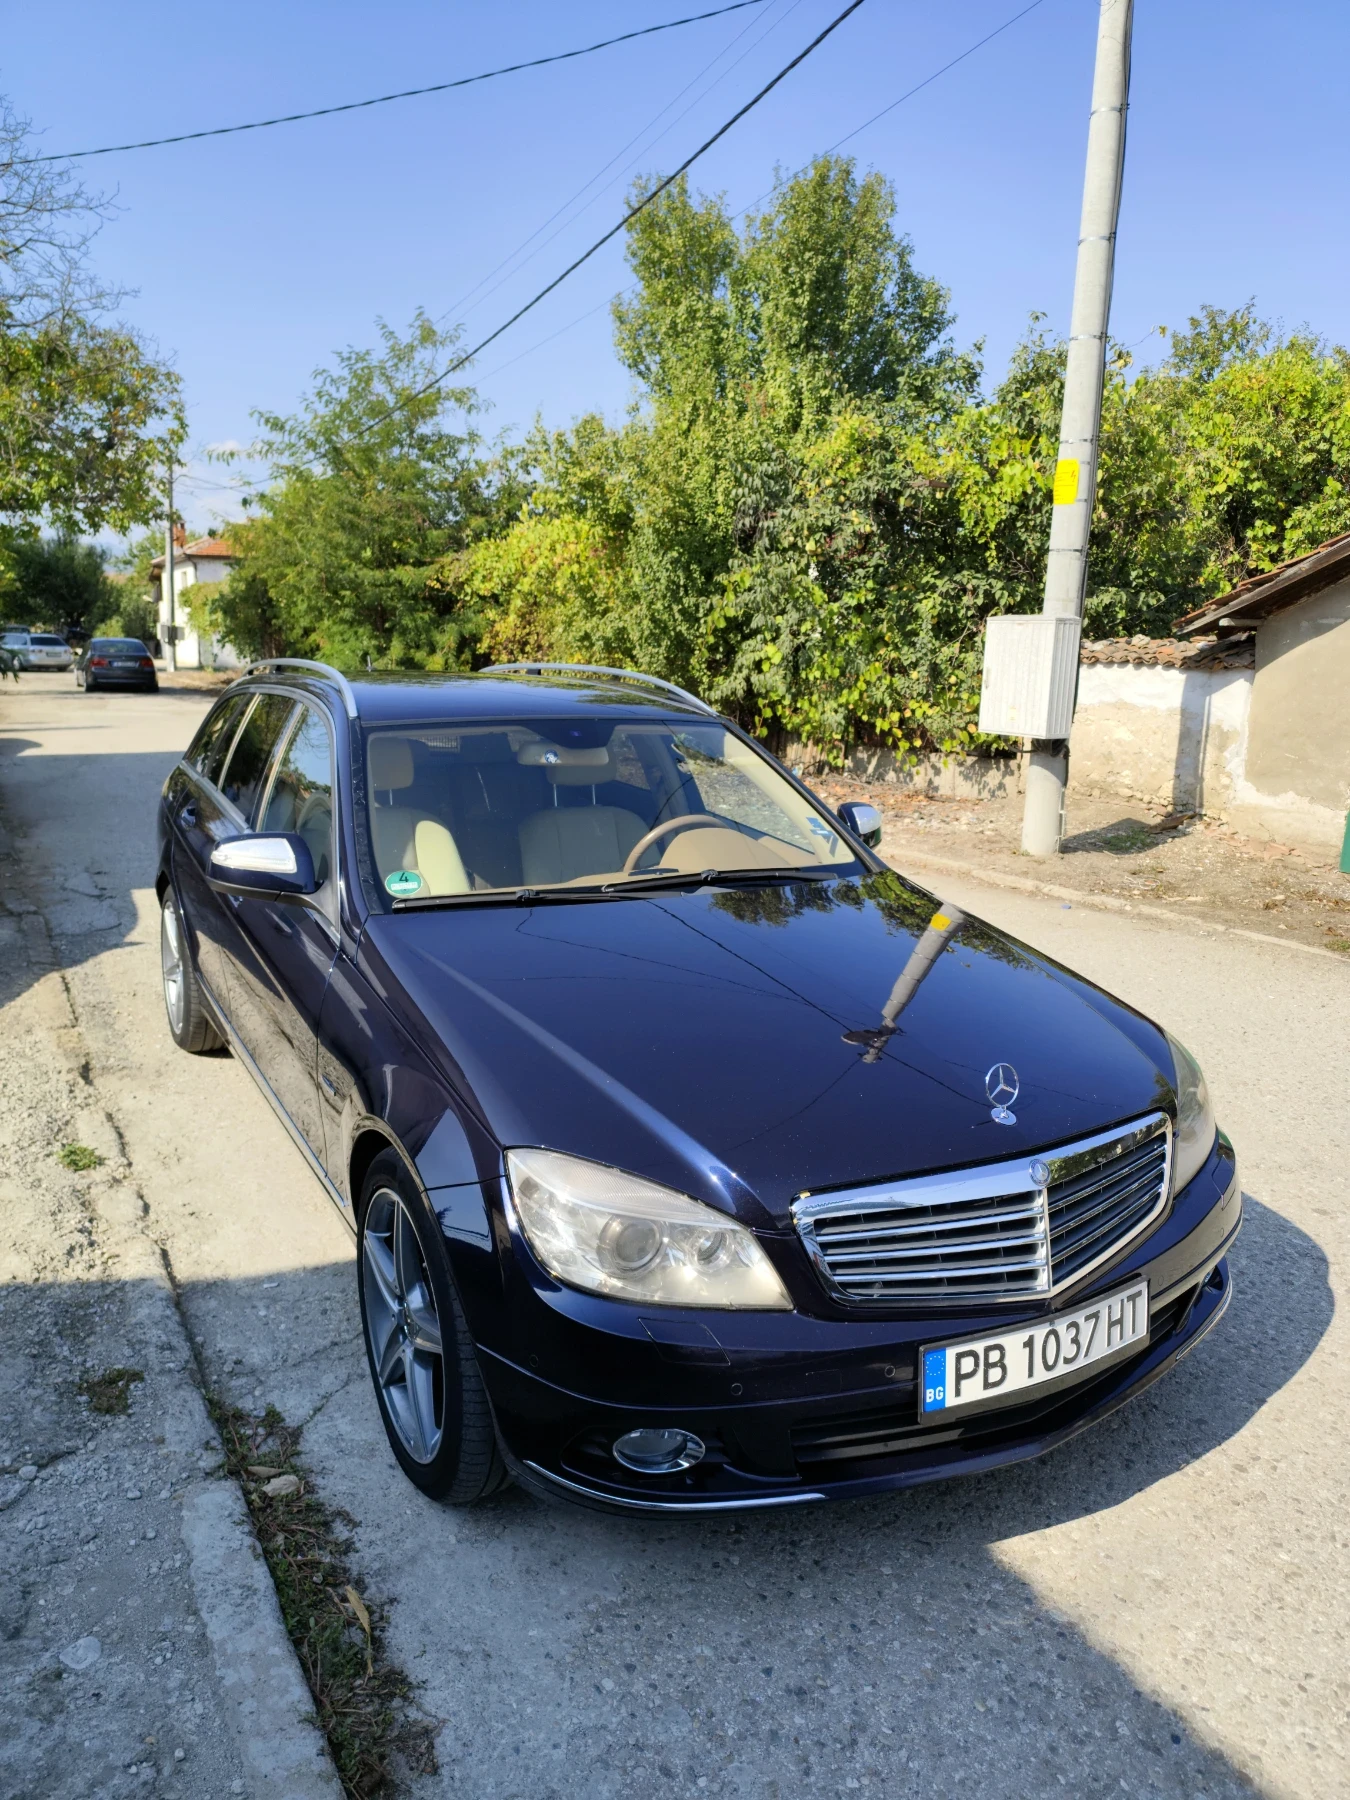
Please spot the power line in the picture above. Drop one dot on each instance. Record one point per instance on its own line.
(614, 230)
(928, 79)
(908, 94)
(557, 213)
(440, 87)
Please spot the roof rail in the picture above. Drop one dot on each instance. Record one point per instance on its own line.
(551, 668)
(344, 686)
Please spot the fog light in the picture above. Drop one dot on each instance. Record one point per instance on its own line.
(658, 1452)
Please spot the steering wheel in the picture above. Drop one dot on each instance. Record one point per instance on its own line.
(683, 823)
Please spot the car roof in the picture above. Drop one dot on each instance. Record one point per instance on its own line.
(397, 697)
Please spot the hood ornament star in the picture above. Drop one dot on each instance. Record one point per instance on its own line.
(1002, 1087)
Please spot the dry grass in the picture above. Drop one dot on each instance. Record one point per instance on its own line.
(365, 1705)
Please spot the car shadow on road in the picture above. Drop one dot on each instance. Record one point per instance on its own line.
(887, 1637)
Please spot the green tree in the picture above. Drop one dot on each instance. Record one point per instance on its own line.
(371, 489)
(750, 349)
(60, 582)
(86, 412)
(556, 583)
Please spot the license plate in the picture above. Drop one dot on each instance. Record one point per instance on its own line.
(125, 662)
(984, 1371)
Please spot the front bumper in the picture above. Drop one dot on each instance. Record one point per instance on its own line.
(795, 1409)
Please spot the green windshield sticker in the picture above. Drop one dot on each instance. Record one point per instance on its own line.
(403, 882)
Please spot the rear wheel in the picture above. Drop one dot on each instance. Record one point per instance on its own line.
(422, 1360)
(189, 1023)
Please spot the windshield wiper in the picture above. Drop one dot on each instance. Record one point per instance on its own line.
(612, 890)
(636, 884)
(521, 896)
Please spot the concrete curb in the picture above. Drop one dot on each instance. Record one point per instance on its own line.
(284, 1753)
(1024, 884)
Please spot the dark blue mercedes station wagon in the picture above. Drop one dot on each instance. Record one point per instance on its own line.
(696, 1159)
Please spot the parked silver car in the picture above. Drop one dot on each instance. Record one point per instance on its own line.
(39, 649)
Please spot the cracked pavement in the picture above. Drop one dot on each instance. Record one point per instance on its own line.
(1159, 1608)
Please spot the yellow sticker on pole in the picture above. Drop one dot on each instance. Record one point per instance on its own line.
(1066, 481)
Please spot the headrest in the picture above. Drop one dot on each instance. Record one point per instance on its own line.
(566, 765)
(391, 762)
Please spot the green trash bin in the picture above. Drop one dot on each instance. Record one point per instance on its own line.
(1345, 848)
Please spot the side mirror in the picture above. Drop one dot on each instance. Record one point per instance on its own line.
(263, 866)
(863, 820)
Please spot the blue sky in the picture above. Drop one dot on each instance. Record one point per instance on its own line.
(256, 256)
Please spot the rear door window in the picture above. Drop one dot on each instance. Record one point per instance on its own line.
(245, 774)
(208, 750)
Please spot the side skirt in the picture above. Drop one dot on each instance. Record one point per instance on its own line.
(301, 1143)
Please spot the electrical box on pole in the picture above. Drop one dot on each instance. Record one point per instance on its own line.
(1030, 675)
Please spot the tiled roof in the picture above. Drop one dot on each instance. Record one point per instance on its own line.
(1167, 653)
(198, 550)
(1259, 596)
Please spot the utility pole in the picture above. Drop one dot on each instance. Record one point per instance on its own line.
(168, 575)
(1080, 421)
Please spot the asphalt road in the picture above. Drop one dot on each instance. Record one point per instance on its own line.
(1160, 1607)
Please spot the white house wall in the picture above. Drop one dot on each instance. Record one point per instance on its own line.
(1296, 783)
(194, 651)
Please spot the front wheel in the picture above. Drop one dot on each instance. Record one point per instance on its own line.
(189, 1023)
(422, 1360)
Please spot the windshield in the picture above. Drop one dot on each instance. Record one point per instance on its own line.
(581, 803)
(133, 645)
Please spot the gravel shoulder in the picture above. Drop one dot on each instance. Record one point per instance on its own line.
(140, 1652)
(1130, 856)
(1159, 1608)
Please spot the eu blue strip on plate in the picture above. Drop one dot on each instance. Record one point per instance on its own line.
(934, 1380)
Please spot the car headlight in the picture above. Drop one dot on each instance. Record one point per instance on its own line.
(1194, 1136)
(610, 1233)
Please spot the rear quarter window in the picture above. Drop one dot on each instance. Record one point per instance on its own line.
(245, 774)
(208, 749)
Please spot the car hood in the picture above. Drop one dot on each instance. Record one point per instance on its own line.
(726, 1041)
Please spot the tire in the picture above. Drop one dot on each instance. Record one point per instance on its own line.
(431, 1395)
(190, 1025)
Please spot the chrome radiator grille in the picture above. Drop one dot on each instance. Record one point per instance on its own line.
(996, 1232)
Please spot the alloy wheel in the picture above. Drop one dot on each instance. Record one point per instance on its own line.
(403, 1325)
(171, 961)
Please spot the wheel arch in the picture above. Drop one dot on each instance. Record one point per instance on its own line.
(368, 1140)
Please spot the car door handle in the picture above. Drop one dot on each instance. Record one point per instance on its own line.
(329, 1085)
(283, 926)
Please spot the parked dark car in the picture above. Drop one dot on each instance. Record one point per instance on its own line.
(115, 662)
(696, 1158)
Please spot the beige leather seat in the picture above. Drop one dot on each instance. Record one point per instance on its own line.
(403, 837)
(569, 843)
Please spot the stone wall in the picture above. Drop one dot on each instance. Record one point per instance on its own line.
(1168, 736)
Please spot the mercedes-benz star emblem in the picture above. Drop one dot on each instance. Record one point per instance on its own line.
(1040, 1174)
(1002, 1086)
